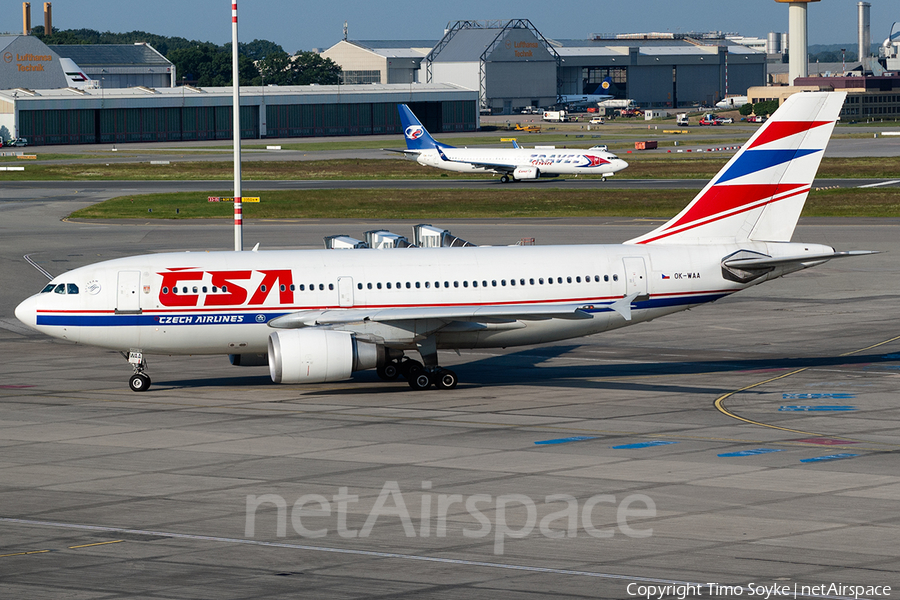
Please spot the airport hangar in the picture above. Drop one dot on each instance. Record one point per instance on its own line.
(37, 104)
(513, 65)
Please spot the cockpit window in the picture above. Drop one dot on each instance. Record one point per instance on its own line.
(71, 288)
(49, 288)
(60, 289)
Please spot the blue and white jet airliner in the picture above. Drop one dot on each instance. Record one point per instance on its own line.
(512, 164)
(319, 315)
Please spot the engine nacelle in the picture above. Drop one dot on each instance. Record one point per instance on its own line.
(249, 360)
(320, 355)
(526, 173)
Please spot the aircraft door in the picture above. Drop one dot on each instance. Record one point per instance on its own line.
(345, 292)
(128, 297)
(635, 276)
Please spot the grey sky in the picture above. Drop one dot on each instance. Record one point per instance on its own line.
(306, 25)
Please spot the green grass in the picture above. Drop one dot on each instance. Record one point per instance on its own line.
(443, 204)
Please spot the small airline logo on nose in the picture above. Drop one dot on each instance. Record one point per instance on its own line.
(595, 161)
(414, 132)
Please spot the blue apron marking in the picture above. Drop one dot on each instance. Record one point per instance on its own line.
(817, 396)
(820, 408)
(828, 457)
(577, 438)
(642, 445)
(753, 452)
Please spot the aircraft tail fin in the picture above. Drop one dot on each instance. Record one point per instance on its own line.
(604, 87)
(417, 137)
(759, 194)
(74, 75)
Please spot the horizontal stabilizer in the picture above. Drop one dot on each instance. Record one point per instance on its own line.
(750, 264)
(407, 152)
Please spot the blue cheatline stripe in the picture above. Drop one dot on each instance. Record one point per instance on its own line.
(147, 320)
(152, 320)
(820, 408)
(752, 161)
(577, 438)
(642, 445)
(828, 457)
(802, 396)
(753, 452)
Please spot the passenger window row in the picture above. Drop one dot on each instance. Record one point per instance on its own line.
(399, 285)
(484, 283)
(224, 289)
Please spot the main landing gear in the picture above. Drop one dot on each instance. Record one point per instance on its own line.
(419, 376)
(139, 381)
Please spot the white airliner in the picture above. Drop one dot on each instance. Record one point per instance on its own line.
(732, 102)
(319, 315)
(511, 163)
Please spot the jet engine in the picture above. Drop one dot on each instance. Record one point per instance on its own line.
(320, 355)
(526, 173)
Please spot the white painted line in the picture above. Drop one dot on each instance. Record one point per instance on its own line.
(879, 184)
(452, 561)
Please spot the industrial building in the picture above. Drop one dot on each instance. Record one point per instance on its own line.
(131, 98)
(120, 65)
(140, 114)
(512, 65)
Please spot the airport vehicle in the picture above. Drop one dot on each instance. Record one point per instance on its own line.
(682, 120)
(577, 100)
(756, 119)
(17, 142)
(319, 315)
(710, 120)
(732, 102)
(597, 120)
(630, 112)
(557, 116)
(512, 164)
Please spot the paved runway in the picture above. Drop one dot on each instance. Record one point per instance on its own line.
(78, 191)
(219, 484)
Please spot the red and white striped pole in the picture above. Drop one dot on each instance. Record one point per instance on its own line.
(236, 125)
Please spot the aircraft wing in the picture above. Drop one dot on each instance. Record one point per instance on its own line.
(475, 314)
(498, 167)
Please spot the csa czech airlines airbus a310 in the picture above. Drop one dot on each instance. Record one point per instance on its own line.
(319, 315)
(512, 164)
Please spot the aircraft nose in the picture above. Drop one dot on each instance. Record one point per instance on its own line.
(26, 312)
(622, 164)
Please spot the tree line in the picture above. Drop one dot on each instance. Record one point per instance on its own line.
(205, 64)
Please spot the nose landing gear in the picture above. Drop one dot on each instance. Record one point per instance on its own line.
(139, 381)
